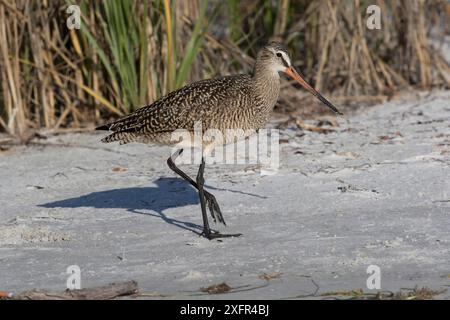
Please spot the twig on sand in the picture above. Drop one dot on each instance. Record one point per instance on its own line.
(107, 292)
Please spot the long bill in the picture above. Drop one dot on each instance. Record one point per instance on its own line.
(294, 74)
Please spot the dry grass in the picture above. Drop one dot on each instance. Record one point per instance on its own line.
(129, 53)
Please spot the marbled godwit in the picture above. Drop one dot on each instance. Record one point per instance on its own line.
(242, 102)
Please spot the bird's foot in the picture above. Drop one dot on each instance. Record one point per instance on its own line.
(214, 208)
(211, 234)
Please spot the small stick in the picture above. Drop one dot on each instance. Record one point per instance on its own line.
(107, 292)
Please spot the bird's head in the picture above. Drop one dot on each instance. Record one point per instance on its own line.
(275, 57)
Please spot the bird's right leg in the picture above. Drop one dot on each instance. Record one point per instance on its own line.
(211, 201)
(207, 233)
(200, 182)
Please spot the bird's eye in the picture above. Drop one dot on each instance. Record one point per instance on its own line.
(278, 55)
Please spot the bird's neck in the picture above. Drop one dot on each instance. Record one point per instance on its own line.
(266, 86)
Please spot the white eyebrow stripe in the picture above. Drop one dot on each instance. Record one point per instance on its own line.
(286, 58)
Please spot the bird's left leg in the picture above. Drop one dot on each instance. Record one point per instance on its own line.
(211, 201)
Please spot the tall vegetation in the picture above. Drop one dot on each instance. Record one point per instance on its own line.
(130, 52)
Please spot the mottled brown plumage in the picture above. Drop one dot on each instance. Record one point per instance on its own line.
(233, 102)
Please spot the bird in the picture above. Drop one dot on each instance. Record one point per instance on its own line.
(242, 101)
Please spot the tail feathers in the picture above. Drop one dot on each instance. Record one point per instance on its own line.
(122, 137)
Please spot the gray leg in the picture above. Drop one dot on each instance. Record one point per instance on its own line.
(204, 197)
(211, 201)
(206, 229)
(201, 194)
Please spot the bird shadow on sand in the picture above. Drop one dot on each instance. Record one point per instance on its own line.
(167, 193)
(150, 201)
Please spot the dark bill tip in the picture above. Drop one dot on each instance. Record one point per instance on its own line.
(328, 104)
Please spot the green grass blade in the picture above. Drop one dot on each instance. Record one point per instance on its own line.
(193, 46)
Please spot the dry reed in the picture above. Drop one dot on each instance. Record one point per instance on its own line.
(129, 53)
